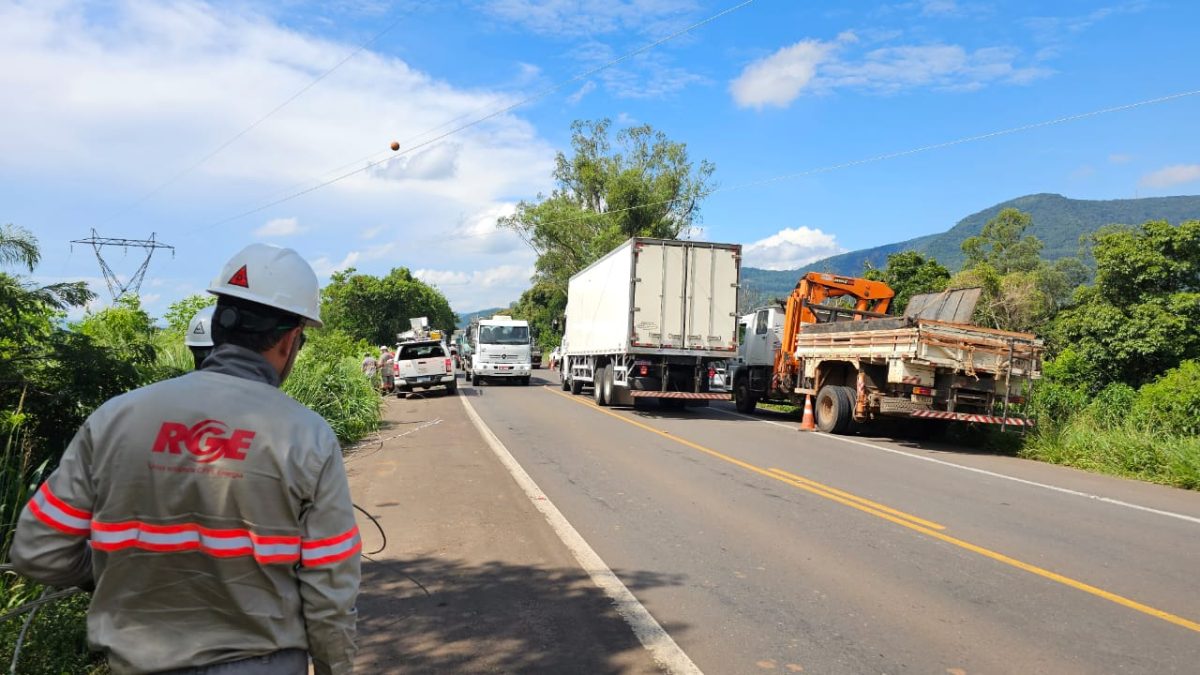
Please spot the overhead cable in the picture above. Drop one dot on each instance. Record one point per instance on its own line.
(479, 120)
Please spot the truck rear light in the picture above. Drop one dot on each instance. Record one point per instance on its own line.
(711, 372)
(643, 369)
(448, 368)
(922, 391)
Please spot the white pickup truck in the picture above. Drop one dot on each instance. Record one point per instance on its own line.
(423, 365)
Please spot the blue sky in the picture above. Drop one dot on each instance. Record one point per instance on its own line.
(104, 102)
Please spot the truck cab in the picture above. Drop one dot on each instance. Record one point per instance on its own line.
(502, 350)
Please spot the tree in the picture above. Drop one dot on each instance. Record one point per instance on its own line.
(647, 186)
(909, 273)
(1021, 292)
(180, 313)
(377, 308)
(1139, 318)
(1002, 246)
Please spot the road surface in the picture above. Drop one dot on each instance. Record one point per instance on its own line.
(800, 552)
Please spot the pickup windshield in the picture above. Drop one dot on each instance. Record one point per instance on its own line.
(504, 335)
(429, 351)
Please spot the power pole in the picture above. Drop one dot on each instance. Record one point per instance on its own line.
(115, 287)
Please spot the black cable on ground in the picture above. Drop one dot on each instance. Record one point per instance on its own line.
(382, 535)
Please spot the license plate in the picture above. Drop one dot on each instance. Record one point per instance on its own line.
(505, 367)
(927, 400)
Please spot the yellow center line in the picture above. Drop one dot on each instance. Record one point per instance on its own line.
(855, 498)
(855, 502)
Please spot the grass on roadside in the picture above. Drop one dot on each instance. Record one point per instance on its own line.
(337, 390)
(1124, 450)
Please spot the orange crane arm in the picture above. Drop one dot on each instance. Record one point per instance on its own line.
(815, 288)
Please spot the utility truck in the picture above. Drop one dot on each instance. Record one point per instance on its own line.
(834, 340)
(501, 350)
(645, 321)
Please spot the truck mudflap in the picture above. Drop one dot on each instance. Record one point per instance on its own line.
(705, 396)
(973, 417)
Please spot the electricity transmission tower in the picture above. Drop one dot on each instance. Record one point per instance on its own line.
(115, 287)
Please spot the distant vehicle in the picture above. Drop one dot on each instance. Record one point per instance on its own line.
(647, 321)
(424, 364)
(502, 350)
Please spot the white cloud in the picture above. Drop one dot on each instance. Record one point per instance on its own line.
(790, 248)
(779, 78)
(1119, 158)
(149, 88)
(478, 232)
(437, 162)
(324, 267)
(279, 227)
(371, 232)
(1170, 176)
(478, 289)
(587, 88)
(822, 67)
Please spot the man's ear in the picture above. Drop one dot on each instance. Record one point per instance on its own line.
(284, 347)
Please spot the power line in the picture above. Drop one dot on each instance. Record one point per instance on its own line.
(213, 153)
(889, 155)
(479, 120)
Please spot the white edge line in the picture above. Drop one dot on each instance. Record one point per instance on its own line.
(985, 472)
(649, 632)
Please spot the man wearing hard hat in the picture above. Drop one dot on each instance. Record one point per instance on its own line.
(210, 512)
(199, 335)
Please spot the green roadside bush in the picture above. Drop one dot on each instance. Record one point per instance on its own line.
(328, 379)
(1171, 404)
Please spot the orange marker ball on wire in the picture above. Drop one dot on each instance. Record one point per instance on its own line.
(395, 146)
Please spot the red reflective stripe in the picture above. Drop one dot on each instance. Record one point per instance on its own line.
(318, 543)
(63, 506)
(198, 548)
(335, 557)
(192, 527)
(45, 518)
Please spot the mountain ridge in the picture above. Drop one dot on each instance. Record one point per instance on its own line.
(1057, 220)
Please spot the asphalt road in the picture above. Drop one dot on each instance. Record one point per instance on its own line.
(799, 552)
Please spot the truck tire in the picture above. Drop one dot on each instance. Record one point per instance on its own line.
(598, 386)
(475, 380)
(525, 380)
(834, 410)
(566, 384)
(607, 383)
(576, 387)
(452, 388)
(743, 400)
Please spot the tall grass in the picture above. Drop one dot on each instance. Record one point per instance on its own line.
(1125, 449)
(337, 390)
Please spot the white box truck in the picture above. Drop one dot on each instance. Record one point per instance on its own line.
(647, 320)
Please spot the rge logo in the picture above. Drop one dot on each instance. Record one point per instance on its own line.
(207, 441)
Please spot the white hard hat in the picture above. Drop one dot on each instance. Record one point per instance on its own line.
(199, 330)
(272, 276)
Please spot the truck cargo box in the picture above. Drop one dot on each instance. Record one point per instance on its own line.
(656, 296)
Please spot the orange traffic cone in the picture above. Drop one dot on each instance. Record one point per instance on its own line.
(808, 423)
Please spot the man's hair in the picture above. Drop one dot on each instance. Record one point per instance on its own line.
(252, 325)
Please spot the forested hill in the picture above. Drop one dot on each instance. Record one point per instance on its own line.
(465, 320)
(1057, 220)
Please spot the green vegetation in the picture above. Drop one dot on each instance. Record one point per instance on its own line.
(376, 309)
(327, 378)
(645, 187)
(909, 273)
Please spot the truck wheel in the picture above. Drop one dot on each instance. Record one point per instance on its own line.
(607, 383)
(566, 384)
(576, 387)
(525, 380)
(452, 388)
(598, 385)
(743, 400)
(834, 410)
(476, 380)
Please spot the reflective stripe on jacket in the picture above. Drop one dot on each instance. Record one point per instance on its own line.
(212, 514)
